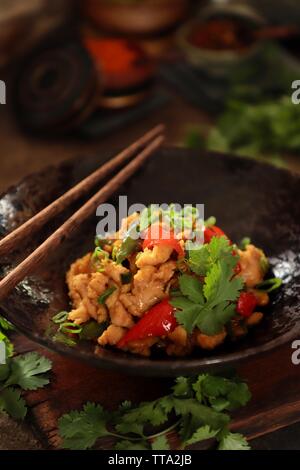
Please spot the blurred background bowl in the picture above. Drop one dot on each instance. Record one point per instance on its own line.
(135, 16)
(219, 62)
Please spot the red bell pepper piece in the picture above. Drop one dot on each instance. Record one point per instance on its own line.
(211, 232)
(164, 238)
(158, 321)
(246, 304)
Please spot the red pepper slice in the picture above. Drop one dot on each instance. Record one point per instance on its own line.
(164, 238)
(211, 232)
(246, 304)
(158, 321)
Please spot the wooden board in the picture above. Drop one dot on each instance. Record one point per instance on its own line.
(273, 380)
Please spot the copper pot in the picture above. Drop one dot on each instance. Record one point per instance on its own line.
(135, 17)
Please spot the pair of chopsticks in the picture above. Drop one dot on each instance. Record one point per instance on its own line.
(145, 146)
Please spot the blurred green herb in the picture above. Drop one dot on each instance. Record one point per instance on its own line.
(5, 327)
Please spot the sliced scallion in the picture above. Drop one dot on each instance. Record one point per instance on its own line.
(103, 297)
(60, 317)
(70, 328)
(270, 285)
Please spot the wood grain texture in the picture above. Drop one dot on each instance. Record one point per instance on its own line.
(273, 380)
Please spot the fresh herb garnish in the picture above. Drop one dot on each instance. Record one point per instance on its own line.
(5, 328)
(129, 245)
(245, 242)
(269, 285)
(209, 306)
(200, 406)
(60, 317)
(104, 296)
(26, 372)
(70, 328)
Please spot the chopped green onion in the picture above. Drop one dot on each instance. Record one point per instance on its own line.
(126, 278)
(128, 246)
(60, 337)
(264, 264)
(245, 242)
(92, 330)
(60, 317)
(100, 252)
(114, 253)
(70, 328)
(103, 297)
(210, 221)
(274, 284)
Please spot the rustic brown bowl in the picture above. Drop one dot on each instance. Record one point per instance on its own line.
(247, 197)
(147, 17)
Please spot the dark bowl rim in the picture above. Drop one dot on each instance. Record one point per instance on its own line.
(135, 365)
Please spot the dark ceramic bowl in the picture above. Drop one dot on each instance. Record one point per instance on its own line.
(248, 198)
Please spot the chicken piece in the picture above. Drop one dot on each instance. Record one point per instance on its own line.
(79, 315)
(78, 286)
(210, 342)
(148, 288)
(118, 314)
(141, 346)
(84, 292)
(250, 262)
(262, 297)
(112, 335)
(114, 271)
(180, 345)
(80, 266)
(254, 319)
(158, 255)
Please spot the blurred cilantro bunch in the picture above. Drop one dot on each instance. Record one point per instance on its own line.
(257, 117)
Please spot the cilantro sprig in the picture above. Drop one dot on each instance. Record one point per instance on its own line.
(24, 372)
(197, 408)
(5, 328)
(208, 305)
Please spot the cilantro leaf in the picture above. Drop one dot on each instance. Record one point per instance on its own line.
(5, 324)
(219, 285)
(129, 445)
(188, 317)
(233, 441)
(199, 259)
(12, 403)
(81, 429)
(196, 402)
(191, 288)
(224, 393)
(182, 387)
(160, 443)
(201, 434)
(201, 413)
(26, 371)
(210, 307)
(211, 321)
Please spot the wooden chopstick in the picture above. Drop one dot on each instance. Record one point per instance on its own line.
(72, 224)
(32, 225)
